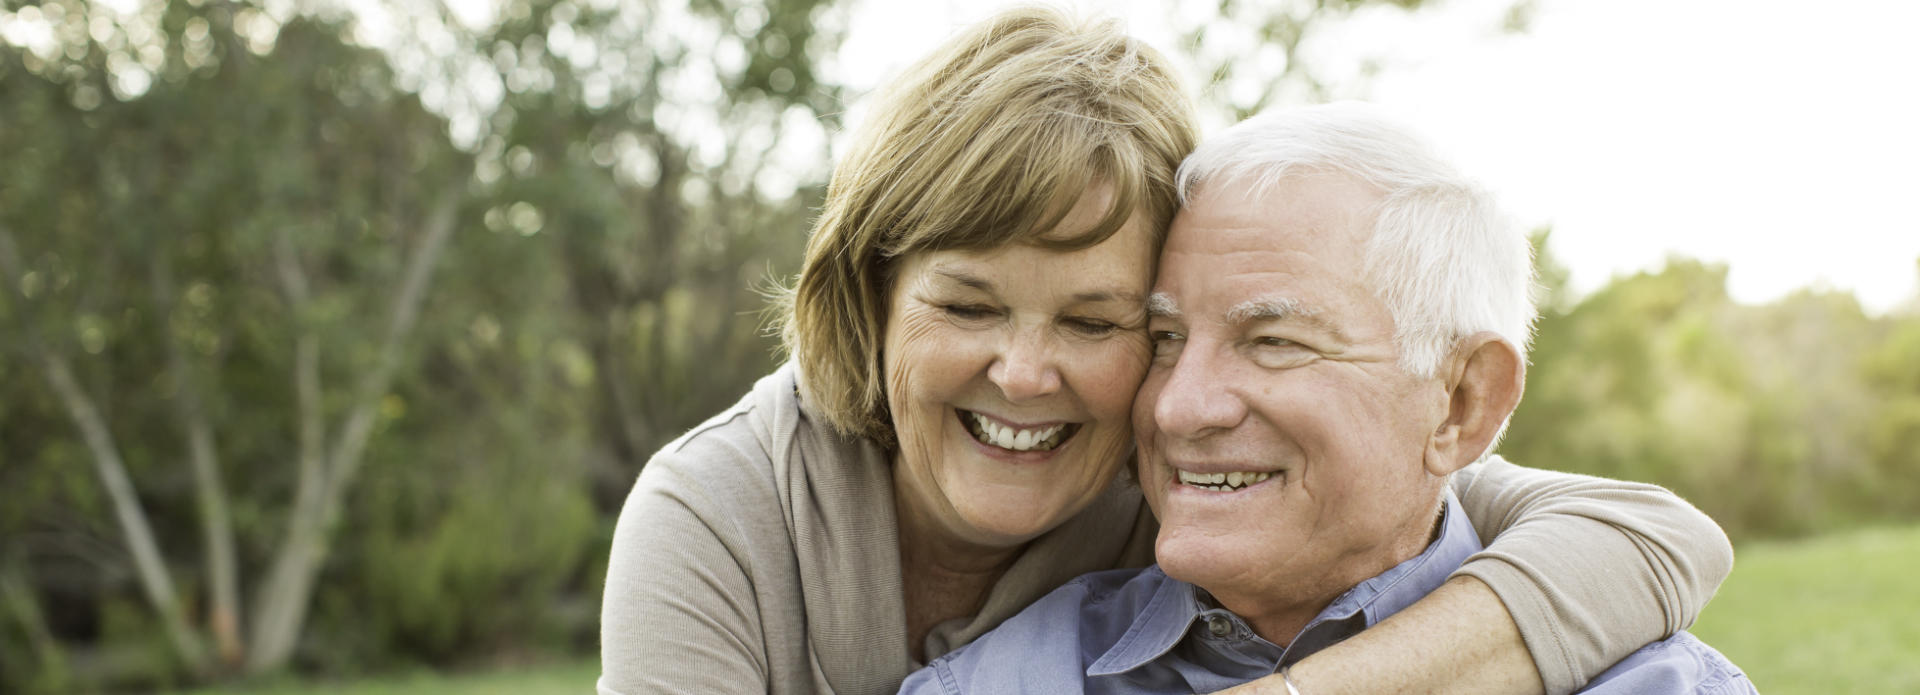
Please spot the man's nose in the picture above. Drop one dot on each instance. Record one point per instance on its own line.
(1025, 368)
(1198, 396)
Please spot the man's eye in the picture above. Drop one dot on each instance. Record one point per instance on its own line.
(1280, 353)
(1165, 342)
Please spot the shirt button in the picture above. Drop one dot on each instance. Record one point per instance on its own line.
(1219, 626)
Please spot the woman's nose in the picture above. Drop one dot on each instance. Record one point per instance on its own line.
(1025, 368)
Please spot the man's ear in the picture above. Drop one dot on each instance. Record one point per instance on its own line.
(1484, 377)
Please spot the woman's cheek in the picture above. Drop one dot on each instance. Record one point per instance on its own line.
(1123, 366)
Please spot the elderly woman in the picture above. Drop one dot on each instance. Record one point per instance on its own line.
(947, 444)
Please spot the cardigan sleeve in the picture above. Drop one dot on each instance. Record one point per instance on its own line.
(680, 612)
(1591, 569)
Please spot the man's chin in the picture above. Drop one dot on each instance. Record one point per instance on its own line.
(1200, 560)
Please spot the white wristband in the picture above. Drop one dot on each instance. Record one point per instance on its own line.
(1288, 681)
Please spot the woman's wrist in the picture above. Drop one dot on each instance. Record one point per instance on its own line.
(1459, 639)
(1286, 678)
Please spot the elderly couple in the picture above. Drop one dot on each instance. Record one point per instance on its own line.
(1076, 407)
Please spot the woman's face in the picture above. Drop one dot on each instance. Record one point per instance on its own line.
(1011, 374)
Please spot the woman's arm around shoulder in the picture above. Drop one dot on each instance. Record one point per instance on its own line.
(1578, 573)
(1590, 569)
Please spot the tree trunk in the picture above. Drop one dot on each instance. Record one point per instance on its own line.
(223, 616)
(210, 493)
(147, 560)
(275, 620)
(149, 565)
(280, 609)
(19, 600)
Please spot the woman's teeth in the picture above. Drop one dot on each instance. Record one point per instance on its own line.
(1222, 482)
(996, 434)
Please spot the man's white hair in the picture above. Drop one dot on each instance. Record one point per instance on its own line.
(1445, 262)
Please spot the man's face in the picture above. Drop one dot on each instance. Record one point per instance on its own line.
(1275, 366)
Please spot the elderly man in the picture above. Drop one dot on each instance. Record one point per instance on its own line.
(1339, 325)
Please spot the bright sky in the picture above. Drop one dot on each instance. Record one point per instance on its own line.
(1782, 138)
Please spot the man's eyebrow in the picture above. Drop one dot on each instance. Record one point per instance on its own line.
(1278, 309)
(1267, 309)
(1160, 305)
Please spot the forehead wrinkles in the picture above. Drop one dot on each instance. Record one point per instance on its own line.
(984, 274)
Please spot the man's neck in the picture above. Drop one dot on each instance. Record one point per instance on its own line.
(1279, 619)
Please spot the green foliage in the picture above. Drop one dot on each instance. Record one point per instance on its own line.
(1891, 371)
(433, 557)
(1779, 419)
(597, 298)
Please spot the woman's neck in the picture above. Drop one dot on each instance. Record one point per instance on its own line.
(942, 575)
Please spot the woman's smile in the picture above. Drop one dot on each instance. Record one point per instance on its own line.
(1014, 437)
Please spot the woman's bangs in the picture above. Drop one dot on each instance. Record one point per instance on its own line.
(1031, 181)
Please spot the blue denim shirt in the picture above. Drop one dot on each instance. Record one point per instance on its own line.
(1140, 631)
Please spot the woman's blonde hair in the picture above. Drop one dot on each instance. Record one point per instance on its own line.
(991, 140)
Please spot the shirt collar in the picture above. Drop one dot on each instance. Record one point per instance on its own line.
(1159, 626)
(1176, 605)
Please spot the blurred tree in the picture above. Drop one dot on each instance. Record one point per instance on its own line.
(320, 181)
(1253, 54)
(1776, 419)
(218, 232)
(1891, 372)
(677, 151)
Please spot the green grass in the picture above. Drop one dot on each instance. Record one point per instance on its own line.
(1833, 614)
(570, 679)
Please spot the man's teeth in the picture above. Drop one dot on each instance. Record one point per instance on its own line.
(1222, 482)
(996, 434)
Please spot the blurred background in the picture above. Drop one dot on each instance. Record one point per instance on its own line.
(333, 334)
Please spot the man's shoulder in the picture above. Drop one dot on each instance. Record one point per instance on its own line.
(1678, 664)
(1047, 646)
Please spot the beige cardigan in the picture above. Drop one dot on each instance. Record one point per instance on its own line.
(757, 553)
